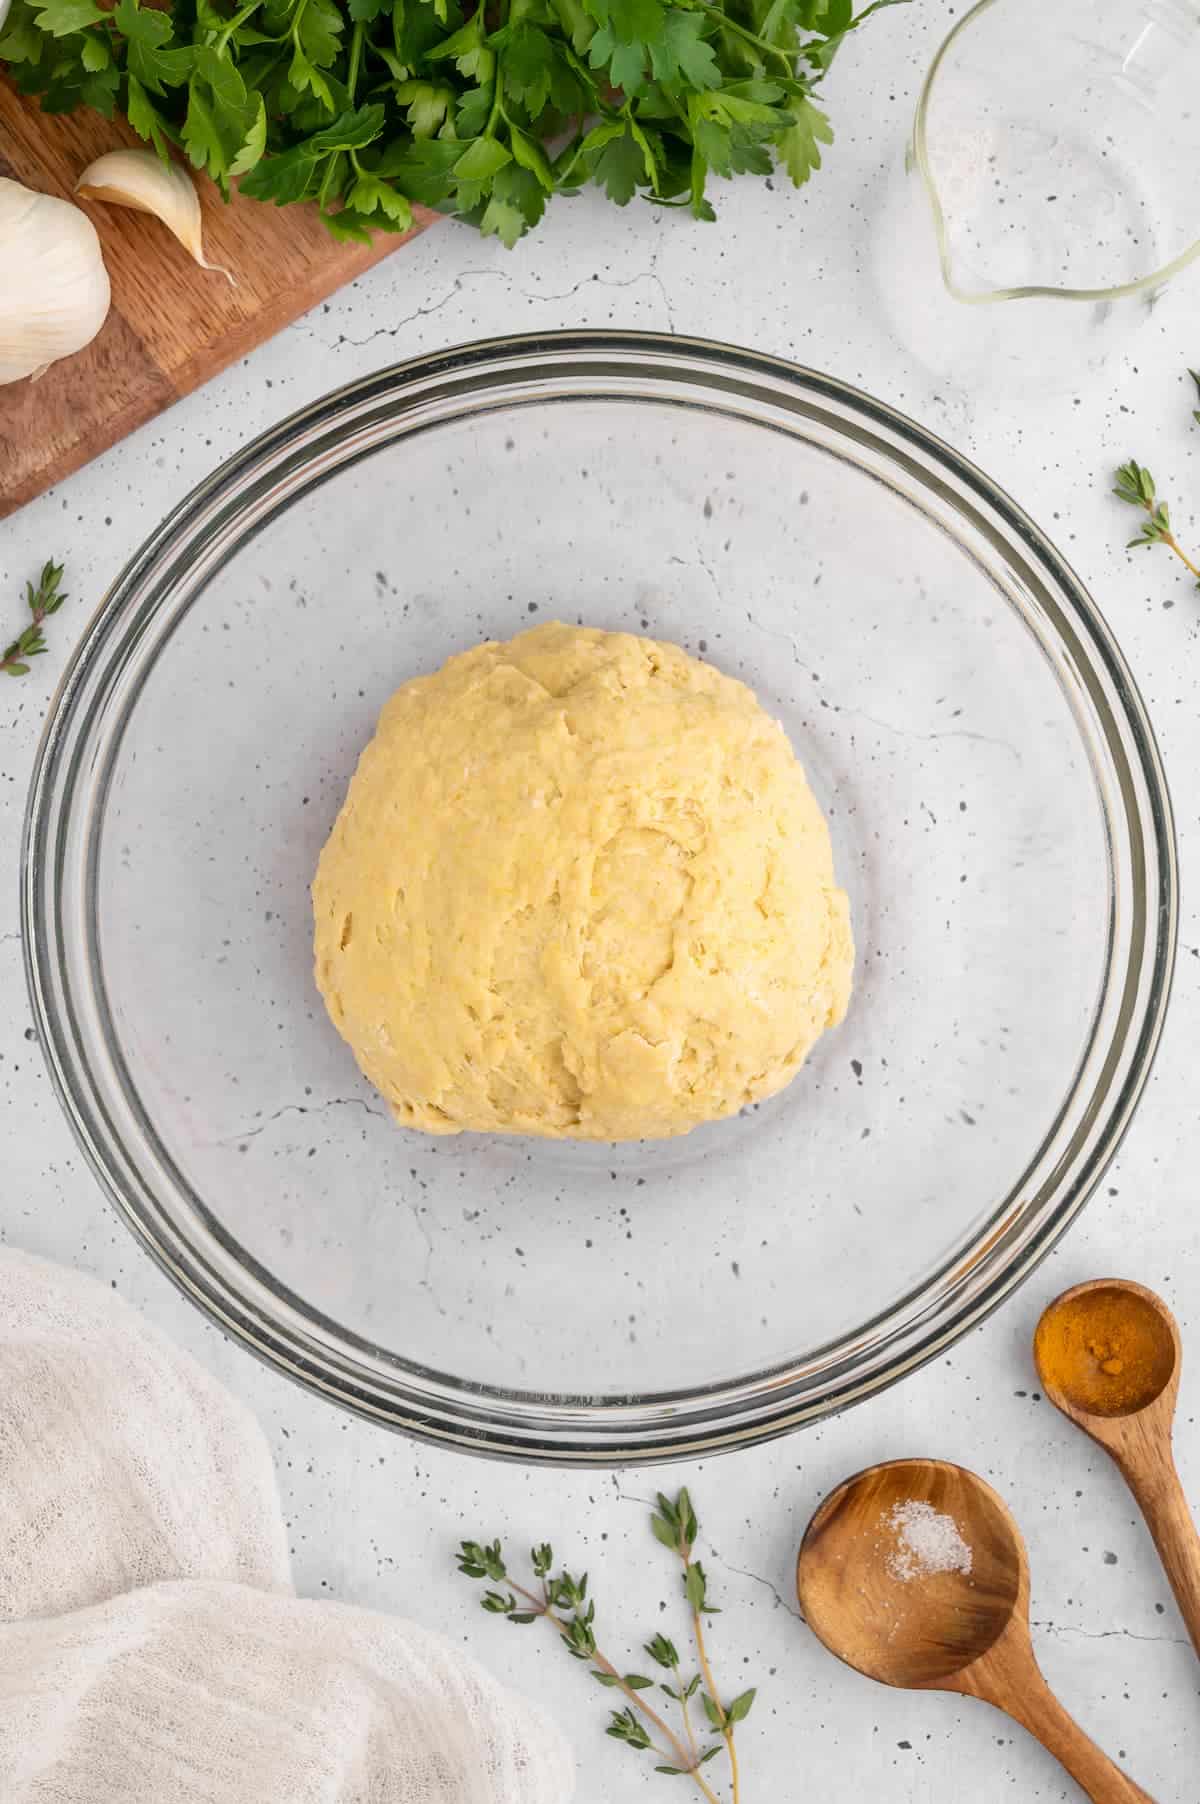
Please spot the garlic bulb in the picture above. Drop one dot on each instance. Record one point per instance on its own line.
(54, 296)
(141, 180)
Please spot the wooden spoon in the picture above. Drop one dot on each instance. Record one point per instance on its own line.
(1119, 1345)
(897, 1618)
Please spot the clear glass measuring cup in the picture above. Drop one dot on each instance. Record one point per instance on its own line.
(1051, 185)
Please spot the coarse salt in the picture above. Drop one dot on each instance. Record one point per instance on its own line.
(926, 1542)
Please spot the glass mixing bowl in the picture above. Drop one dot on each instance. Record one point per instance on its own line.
(999, 815)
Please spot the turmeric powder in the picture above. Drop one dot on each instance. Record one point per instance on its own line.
(1107, 1350)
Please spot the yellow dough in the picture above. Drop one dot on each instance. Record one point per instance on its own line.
(579, 887)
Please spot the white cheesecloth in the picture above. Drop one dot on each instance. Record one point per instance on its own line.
(151, 1648)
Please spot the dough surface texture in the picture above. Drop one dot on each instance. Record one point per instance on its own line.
(579, 887)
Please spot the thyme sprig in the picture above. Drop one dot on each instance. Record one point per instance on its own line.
(562, 1599)
(1136, 487)
(42, 601)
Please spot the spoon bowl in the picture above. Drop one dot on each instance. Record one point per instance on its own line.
(862, 1597)
(915, 1573)
(1110, 1348)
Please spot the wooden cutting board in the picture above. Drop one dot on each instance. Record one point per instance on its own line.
(172, 325)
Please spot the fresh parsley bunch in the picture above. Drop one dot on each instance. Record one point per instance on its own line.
(366, 106)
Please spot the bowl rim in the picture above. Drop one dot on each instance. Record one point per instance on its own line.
(289, 1335)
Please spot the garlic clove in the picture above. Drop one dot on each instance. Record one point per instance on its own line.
(55, 294)
(141, 180)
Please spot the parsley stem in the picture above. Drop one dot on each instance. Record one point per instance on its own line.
(356, 48)
(238, 18)
(497, 112)
(568, 156)
(773, 18)
(332, 180)
(686, 1765)
(750, 37)
(297, 16)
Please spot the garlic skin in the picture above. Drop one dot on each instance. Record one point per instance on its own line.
(141, 180)
(4, 7)
(55, 295)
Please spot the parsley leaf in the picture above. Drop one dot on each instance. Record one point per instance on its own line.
(423, 171)
(372, 194)
(517, 203)
(482, 159)
(537, 73)
(799, 145)
(255, 141)
(20, 39)
(625, 63)
(145, 117)
(150, 55)
(627, 30)
(620, 166)
(317, 28)
(680, 54)
(426, 104)
(629, 20)
(472, 55)
(61, 17)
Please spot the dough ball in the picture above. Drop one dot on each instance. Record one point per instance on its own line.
(579, 887)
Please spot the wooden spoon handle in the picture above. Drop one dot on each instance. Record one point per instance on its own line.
(1032, 1704)
(1161, 1499)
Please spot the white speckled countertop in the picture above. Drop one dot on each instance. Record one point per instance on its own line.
(374, 1518)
